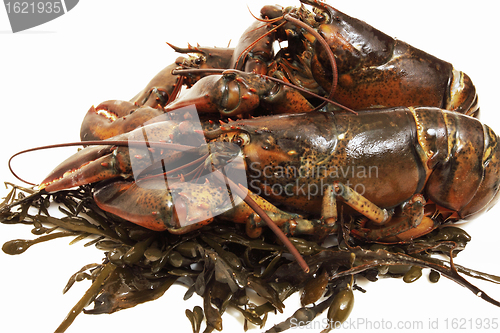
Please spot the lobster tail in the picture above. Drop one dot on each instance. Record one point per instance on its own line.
(487, 193)
(465, 163)
(461, 95)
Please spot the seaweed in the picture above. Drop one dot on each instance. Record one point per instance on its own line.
(221, 263)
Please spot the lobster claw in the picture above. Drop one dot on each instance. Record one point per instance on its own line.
(89, 165)
(127, 155)
(114, 117)
(159, 205)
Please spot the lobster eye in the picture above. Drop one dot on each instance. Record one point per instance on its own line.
(321, 16)
(241, 139)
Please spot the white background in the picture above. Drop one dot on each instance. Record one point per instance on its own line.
(50, 76)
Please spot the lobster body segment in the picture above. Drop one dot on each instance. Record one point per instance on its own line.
(464, 161)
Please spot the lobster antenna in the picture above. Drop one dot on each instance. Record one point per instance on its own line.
(268, 20)
(318, 37)
(325, 99)
(178, 86)
(331, 57)
(242, 192)
(244, 53)
(121, 143)
(182, 71)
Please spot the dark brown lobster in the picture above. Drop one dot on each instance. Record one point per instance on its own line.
(305, 163)
(373, 70)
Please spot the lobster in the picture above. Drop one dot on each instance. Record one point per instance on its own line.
(306, 162)
(324, 54)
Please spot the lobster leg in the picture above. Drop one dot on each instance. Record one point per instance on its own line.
(399, 230)
(359, 203)
(384, 226)
(290, 224)
(243, 213)
(379, 224)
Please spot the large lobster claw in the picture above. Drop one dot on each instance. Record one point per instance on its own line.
(152, 203)
(127, 155)
(111, 118)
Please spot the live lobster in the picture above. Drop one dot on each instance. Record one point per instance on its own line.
(329, 53)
